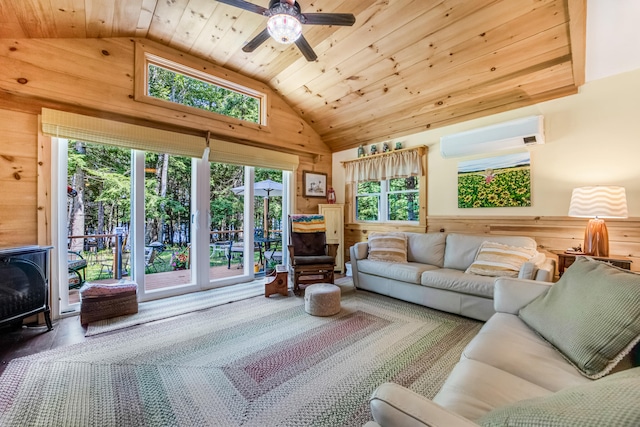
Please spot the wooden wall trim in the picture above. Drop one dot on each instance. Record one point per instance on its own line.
(359, 231)
(551, 233)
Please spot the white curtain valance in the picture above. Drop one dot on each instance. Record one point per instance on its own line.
(400, 164)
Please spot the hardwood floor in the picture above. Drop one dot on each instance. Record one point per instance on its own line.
(30, 339)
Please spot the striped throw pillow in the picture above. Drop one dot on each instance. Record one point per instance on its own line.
(389, 247)
(496, 259)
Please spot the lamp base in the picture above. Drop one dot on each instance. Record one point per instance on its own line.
(596, 238)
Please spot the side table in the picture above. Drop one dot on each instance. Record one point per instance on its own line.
(279, 284)
(565, 260)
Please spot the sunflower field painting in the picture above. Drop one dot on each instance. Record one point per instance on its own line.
(503, 181)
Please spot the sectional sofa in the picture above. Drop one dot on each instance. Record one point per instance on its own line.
(434, 274)
(560, 355)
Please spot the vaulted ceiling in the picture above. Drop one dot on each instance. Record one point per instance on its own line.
(404, 67)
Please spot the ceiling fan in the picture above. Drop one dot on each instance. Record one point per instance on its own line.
(285, 23)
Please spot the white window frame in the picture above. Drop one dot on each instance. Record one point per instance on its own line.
(146, 55)
(383, 202)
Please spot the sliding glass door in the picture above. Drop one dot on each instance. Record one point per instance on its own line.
(245, 221)
(172, 224)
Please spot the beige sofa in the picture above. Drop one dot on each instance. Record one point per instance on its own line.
(434, 275)
(506, 363)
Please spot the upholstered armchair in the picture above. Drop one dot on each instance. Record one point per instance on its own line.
(311, 259)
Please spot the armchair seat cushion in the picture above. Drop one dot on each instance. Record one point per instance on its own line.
(311, 260)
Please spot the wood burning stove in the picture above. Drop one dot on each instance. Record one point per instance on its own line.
(24, 283)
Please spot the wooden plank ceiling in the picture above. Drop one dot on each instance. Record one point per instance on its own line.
(405, 66)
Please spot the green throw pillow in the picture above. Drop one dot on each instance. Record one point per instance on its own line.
(592, 315)
(610, 401)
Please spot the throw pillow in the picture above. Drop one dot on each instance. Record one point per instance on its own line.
(610, 401)
(496, 259)
(389, 247)
(591, 315)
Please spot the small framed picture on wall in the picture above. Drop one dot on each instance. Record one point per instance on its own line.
(315, 184)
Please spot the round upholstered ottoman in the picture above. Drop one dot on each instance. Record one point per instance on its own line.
(322, 299)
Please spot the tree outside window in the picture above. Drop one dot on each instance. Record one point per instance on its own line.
(391, 200)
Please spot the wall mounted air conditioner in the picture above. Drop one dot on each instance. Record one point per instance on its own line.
(508, 135)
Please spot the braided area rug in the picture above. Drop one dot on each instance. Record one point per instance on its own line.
(256, 362)
(175, 306)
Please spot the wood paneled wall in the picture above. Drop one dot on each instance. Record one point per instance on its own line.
(18, 179)
(96, 77)
(319, 163)
(551, 233)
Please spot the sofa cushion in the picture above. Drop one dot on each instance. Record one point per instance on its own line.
(496, 259)
(427, 248)
(458, 281)
(461, 249)
(410, 272)
(474, 388)
(591, 315)
(609, 401)
(389, 247)
(507, 343)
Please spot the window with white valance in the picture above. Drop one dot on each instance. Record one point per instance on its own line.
(387, 187)
(385, 166)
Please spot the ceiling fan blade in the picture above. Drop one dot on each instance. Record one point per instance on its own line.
(345, 19)
(305, 48)
(257, 41)
(245, 5)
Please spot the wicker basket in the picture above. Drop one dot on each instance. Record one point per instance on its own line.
(100, 307)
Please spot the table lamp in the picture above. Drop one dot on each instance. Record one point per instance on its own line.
(596, 203)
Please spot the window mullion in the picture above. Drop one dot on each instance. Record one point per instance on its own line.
(384, 196)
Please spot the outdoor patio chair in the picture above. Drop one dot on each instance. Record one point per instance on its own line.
(311, 259)
(159, 248)
(106, 267)
(149, 259)
(218, 249)
(77, 267)
(235, 250)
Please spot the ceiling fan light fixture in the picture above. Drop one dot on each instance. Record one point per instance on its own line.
(284, 28)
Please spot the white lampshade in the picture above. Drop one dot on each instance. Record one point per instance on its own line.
(596, 203)
(284, 28)
(599, 201)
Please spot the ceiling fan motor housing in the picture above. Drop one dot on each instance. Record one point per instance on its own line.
(285, 21)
